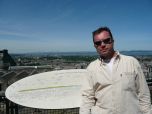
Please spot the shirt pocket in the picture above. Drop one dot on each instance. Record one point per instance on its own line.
(128, 81)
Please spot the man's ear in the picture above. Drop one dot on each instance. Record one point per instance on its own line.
(95, 46)
(112, 40)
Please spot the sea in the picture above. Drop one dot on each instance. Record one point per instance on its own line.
(82, 53)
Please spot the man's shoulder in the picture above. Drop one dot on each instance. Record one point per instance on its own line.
(93, 63)
(127, 57)
(130, 59)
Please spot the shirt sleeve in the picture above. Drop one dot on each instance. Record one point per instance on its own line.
(87, 95)
(142, 90)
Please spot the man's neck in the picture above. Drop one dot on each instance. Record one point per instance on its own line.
(109, 57)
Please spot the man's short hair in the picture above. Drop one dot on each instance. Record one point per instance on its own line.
(101, 29)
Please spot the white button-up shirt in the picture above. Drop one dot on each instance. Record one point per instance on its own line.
(122, 91)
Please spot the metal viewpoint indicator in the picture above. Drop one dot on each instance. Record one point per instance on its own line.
(49, 90)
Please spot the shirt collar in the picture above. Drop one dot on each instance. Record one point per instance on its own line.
(117, 57)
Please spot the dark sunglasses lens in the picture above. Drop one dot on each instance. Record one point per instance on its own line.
(97, 43)
(107, 41)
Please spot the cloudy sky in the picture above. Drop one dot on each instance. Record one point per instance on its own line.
(67, 25)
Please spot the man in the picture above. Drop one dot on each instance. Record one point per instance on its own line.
(115, 83)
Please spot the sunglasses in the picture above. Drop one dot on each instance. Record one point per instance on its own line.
(105, 41)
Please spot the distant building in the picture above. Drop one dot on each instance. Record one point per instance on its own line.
(6, 60)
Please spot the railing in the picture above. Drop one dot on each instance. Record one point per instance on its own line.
(8, 107)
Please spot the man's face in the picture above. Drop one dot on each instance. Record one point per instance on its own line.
(103, 44)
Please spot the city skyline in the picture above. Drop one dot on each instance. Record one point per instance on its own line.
(66, 26)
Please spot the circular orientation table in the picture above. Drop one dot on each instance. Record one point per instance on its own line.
(50, 90)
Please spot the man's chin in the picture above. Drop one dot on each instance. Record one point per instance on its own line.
(103, 54)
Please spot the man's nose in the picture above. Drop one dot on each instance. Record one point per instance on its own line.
(102, 44)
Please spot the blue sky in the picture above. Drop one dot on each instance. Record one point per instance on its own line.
(67, 25)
